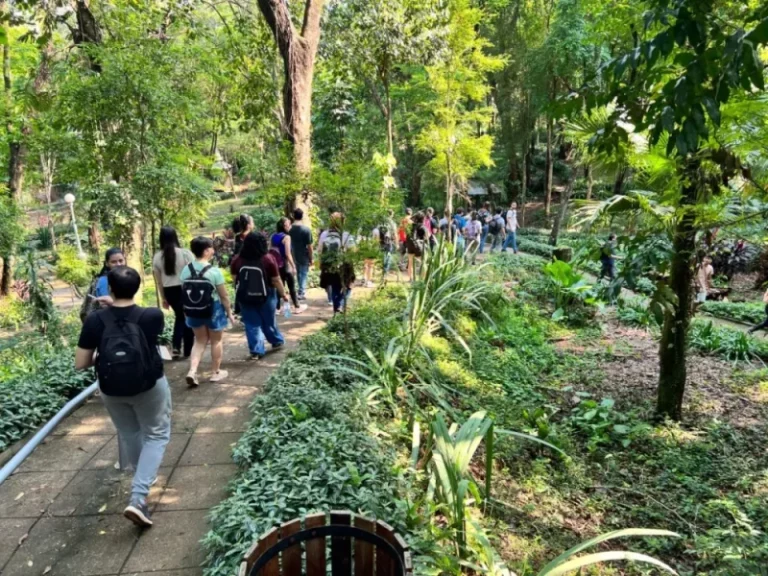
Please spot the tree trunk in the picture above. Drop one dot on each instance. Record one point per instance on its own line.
(549, 170)
(524, 180)
(560, 220)
(672, 350)
(390, 128)
(298, 51)
(449, 194)
(590, 180)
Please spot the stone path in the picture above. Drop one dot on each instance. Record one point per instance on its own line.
(61, 512)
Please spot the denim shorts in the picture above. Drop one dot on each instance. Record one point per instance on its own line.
(217, 322)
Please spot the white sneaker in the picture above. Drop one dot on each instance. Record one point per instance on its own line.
(219, 376)
(192, 380)
(300, 309)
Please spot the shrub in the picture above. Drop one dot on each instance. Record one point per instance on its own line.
(728, 342)
(36, 380)
(72, 269)
(534, 247)
(13, 312)
(44, 238)
(636, 312)
(749, 312)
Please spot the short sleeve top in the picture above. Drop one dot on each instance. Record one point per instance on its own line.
(183, 258)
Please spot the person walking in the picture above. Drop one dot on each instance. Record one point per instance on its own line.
(259, 291)
(511, 227)
(704, 274)
(764, 324)
(98, 296)
(496, 230)
(608, 259)
(121, 341)
(417, 242)
(472, 234)
(386, 235)
(167, 266)
(302, 249)
(282, 251)
(336, 275)
(207, 309)
(241, 227)
(484, 215)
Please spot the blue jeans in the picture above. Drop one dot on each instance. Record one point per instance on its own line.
(302, 272)
(143, 425)
(510, 241)
(387, 259)
(260, 324)
(339, 296)
(483, 237)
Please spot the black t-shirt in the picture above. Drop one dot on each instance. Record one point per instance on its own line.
(301, 240)
(152, 322)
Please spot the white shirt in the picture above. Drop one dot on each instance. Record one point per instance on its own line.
(512, 220)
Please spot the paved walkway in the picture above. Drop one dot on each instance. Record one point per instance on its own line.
(61, 513)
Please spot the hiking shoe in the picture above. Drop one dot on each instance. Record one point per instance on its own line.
(277, 346)
(219, 376)
(255, 356)
(138, 513)
(192, 380)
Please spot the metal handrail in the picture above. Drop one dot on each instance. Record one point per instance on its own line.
(11, 466)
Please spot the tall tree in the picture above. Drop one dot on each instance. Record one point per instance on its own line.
(700, 54)
(459, 83)
(298, 50)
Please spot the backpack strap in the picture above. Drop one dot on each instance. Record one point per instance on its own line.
(205, 270)
(192, 270)
(134, 316)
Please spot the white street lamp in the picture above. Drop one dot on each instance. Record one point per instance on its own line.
(70, 199)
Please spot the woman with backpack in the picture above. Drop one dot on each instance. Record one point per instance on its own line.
(336, 275)
(281, 252)
(241, 227)
(167, 266)
(98, 295)
(259, 290)
(417, 242)
(206, 307)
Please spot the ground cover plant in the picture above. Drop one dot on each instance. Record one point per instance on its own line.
(491, 374)
(746, 312)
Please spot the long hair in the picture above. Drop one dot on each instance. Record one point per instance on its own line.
(241, 223)
(254, 247)
(169, 241)
(281, 224)
(111, 252)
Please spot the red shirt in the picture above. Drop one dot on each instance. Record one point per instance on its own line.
(268, 264)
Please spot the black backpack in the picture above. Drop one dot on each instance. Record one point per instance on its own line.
(494, 227)
(385, 237)
(197, 294)
(251, 286)
(125, 364)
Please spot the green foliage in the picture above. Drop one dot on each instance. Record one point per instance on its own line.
(36, 379)
(636, 312)
(459, 85)
(11, 230)
(44, 238)
(72, 269)
(573, 296)
(732, 344)
(749, 312)
(602, 424)
(533, 247)
(37, 294)
(13, 312)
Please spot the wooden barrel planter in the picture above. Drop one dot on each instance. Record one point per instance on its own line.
(358, 546)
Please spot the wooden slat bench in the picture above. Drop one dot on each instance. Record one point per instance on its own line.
(377, 550)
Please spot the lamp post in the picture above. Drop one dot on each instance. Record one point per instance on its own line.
(70, 199)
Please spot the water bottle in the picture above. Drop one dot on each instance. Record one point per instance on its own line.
(287, 309)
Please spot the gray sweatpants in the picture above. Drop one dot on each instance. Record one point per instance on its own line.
(143, 425)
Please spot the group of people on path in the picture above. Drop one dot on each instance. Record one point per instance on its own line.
(420, 231)
(121, 339)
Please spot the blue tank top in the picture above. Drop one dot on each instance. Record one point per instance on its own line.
(277, 242)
